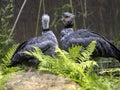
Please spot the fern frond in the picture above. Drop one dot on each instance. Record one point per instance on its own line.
(7, 59)
(88, 64)
(85, 55)
(113, 71)
(75, 51)
(37, 53)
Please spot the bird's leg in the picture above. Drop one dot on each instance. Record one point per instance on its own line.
(30, 69)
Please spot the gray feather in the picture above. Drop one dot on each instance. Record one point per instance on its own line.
(46, 43)
(83, 37)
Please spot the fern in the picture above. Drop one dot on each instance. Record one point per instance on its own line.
(75, 51)
(38, 54)
(7, 59)
(89, 50)
(6, 73)
(111, 72)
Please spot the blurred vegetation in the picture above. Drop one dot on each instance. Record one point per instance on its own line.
(6, 14)
(5, 72)
(6, 41)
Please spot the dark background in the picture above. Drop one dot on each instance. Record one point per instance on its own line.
(102, 16)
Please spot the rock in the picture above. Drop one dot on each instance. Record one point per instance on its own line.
(39, 81)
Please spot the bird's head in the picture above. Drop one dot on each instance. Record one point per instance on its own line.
(45, 21)
(67, 18)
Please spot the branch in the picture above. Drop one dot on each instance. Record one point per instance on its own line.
(38, 17)
(17, 17)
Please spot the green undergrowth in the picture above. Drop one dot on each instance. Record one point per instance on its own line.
(5, 72)
(76, 64)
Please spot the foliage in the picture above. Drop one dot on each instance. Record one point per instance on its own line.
(7, 59)
(3, 79)
(5, 72)
(111, 72)
(117, 43)
(6, 14)
(6, 41)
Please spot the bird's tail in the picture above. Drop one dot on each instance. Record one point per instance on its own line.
(116, 52)
(14, 60)
(12, 64)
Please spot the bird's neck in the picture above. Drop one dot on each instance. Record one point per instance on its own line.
(45, 30)
(66, 31)
(70, 25)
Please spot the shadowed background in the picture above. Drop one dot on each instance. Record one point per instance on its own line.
(102, 16)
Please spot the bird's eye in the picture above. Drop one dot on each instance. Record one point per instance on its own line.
(66, 16)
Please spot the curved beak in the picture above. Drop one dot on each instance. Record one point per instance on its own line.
(63, 20)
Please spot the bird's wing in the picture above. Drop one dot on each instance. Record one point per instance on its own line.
(102, 38)
(35, 40)
(45, 45)
(103, 47)
(89, 33)
(79, 41)
(21, 46)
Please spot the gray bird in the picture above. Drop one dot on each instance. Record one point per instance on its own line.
(46, 42)
(83, 37)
